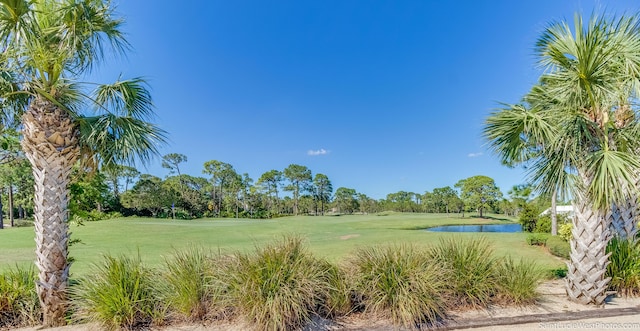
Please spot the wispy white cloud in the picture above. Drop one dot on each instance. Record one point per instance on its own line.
(320, 151)
(474, 154)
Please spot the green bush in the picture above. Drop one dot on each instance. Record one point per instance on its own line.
(528, 217)
(469, 270)
(537, 239)
(119, 293)
(624, 266)
(400, 283)
(558, 247)
(188, 290)
(564, 231)
(517, 282)
(280, 286)
(558, 273)
(19, 304)
(543, 225)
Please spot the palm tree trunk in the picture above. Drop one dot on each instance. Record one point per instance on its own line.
(624, 216)
(586, 282)
(554, 212)
(51, 145)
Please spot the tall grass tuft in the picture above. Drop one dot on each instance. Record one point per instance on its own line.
(188, 277)
(280, 286)
(119, 293)
(624, 266)
(517, 282)
(469, 270)
(399, 282)
(19, 304)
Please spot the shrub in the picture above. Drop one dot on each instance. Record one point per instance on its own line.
(543, 225)
(518, 282)
(120, 293)
(564, 231)
(19, 304)
(399, 283)
(537, 239)
(280, 286)
(528, 217)
(469, 270)
(558, 273)
(188, 276)
(624, 266)
(558, 247)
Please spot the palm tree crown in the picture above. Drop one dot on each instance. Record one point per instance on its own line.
(577, 131)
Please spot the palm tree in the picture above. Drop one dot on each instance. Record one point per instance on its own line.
(47, 46)
(578, 132)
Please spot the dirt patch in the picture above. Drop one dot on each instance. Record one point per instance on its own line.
(349, 236)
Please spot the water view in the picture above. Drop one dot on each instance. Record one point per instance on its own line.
(478, 228)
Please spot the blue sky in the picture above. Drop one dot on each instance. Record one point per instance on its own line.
(380, 96)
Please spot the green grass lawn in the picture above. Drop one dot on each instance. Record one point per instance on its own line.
(332, 237)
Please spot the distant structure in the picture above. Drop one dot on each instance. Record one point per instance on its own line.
(567, 210)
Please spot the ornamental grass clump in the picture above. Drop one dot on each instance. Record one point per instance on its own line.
(19, 304)
(470, 271)
(188, 289)
(399, 283)
(517, 282)
(280, 286)
(120, 293)
(624, 266)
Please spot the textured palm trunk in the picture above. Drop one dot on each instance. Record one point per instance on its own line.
(624, 216)
(50, 143)
(586, 282)
(554, 213)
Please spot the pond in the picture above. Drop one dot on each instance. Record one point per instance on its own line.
(478, 228)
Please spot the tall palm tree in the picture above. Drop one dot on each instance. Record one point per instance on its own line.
(579, 132)
(47, 47)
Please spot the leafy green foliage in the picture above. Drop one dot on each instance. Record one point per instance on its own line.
(537, 239)
(564, 231)
(399, 282)
(624, 266)
(529, 217)
(19, 304)
(120, 293)
(479, 193)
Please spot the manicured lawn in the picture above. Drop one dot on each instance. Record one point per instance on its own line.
(332, 237)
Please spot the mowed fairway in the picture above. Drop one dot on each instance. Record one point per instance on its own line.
(332, 237)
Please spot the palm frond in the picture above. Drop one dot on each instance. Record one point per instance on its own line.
(120, 140)
(515, 132)
(612, 173)
(89, 26)
(126, 98)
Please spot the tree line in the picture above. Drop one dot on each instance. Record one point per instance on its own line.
(225, 192)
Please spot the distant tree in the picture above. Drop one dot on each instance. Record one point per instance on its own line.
(299, 181)
(221, 173)
(479, 193)
(443, 199)
(322, 191)
(345, 200)
(148, 194)
(270, 181)
(172, 162)
(366, 204)
(401, 201)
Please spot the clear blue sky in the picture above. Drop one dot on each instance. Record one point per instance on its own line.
(380, 96)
